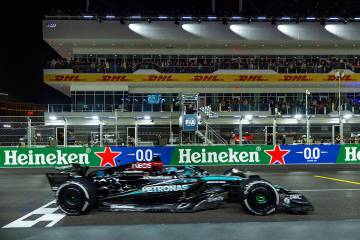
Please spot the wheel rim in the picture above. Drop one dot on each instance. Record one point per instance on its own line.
(72, 198)
(262, 198)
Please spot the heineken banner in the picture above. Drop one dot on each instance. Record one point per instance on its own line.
(181, 155)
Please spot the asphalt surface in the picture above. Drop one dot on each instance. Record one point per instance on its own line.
(333, 190)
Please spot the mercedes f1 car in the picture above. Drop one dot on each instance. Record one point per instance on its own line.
(151, 187)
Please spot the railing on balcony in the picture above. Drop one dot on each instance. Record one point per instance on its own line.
(254, 107)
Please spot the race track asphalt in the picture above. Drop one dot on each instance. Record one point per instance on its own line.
(333, 190)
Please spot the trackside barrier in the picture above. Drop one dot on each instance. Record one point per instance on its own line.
(181, 155)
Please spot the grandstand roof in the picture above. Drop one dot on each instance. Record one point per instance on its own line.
(211, 37)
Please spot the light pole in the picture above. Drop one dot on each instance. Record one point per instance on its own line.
(274, 130)
(338, 76)
(307, 93)
(240, 130)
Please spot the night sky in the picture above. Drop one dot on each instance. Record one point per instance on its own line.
(24, 54)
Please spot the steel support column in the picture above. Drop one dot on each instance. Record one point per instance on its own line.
(274, 131)
(101, 134)
(65, 133)
(29, 133)
(240, 131)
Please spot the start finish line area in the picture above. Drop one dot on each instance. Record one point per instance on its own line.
(27, 209)
(180, 155)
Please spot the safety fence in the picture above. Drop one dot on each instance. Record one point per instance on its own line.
(181, 155)
(34, 132)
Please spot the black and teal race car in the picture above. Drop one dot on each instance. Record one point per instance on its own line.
(150, 187)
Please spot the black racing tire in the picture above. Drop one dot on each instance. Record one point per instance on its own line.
(76, 196)
(259, 197)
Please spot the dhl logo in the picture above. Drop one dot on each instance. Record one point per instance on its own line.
(205, 78)
(250, 78)
(66, 78)
(345, 78)
(160, 78)
(114, 78)
(296, 78)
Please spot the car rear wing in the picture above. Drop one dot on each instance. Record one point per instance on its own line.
(64, 174)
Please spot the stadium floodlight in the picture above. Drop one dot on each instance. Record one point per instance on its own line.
(333, 18)
(163, 17)
(347, 116)
(356, 18)
(110, 16)
(248, 117)
(135, 17)
(310, 18)
(212, 18)
(261, 18)
(298, 116)
(95, 117)
(285, 18)
(186, 17)
(88, 16)
(146, 117)
(236, 18)
(52, 118)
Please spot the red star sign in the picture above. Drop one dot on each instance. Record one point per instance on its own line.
(277, 155)
(107, 157)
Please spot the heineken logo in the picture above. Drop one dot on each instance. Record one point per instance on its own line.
(352, 154)
(189, 156)
(12, 158)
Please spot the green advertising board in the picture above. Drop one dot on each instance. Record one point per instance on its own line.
(181, 155)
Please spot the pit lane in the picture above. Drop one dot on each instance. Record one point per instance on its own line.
(25, 190)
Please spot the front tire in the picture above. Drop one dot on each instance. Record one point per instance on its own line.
(259, 197)
(76, 196)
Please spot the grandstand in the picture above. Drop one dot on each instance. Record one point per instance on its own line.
(269, 75)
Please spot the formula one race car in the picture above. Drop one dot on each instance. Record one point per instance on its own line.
(150, 187)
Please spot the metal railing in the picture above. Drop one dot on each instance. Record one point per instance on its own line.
(33, 132)
(253, 107)
(214, 136)
(199, 68)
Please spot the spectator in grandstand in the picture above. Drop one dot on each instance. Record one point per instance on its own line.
(107, 67)
(232, 140)
(93, 67)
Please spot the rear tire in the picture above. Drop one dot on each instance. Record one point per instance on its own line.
(259, 197)
(76, 196)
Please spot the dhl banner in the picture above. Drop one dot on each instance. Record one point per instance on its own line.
(129, 78)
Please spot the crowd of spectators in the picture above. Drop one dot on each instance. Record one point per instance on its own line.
(289, 106)
(201, 64)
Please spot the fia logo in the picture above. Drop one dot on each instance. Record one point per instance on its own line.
(190, 122)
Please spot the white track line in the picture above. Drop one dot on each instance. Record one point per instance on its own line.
(47, 215)
(326, 190)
